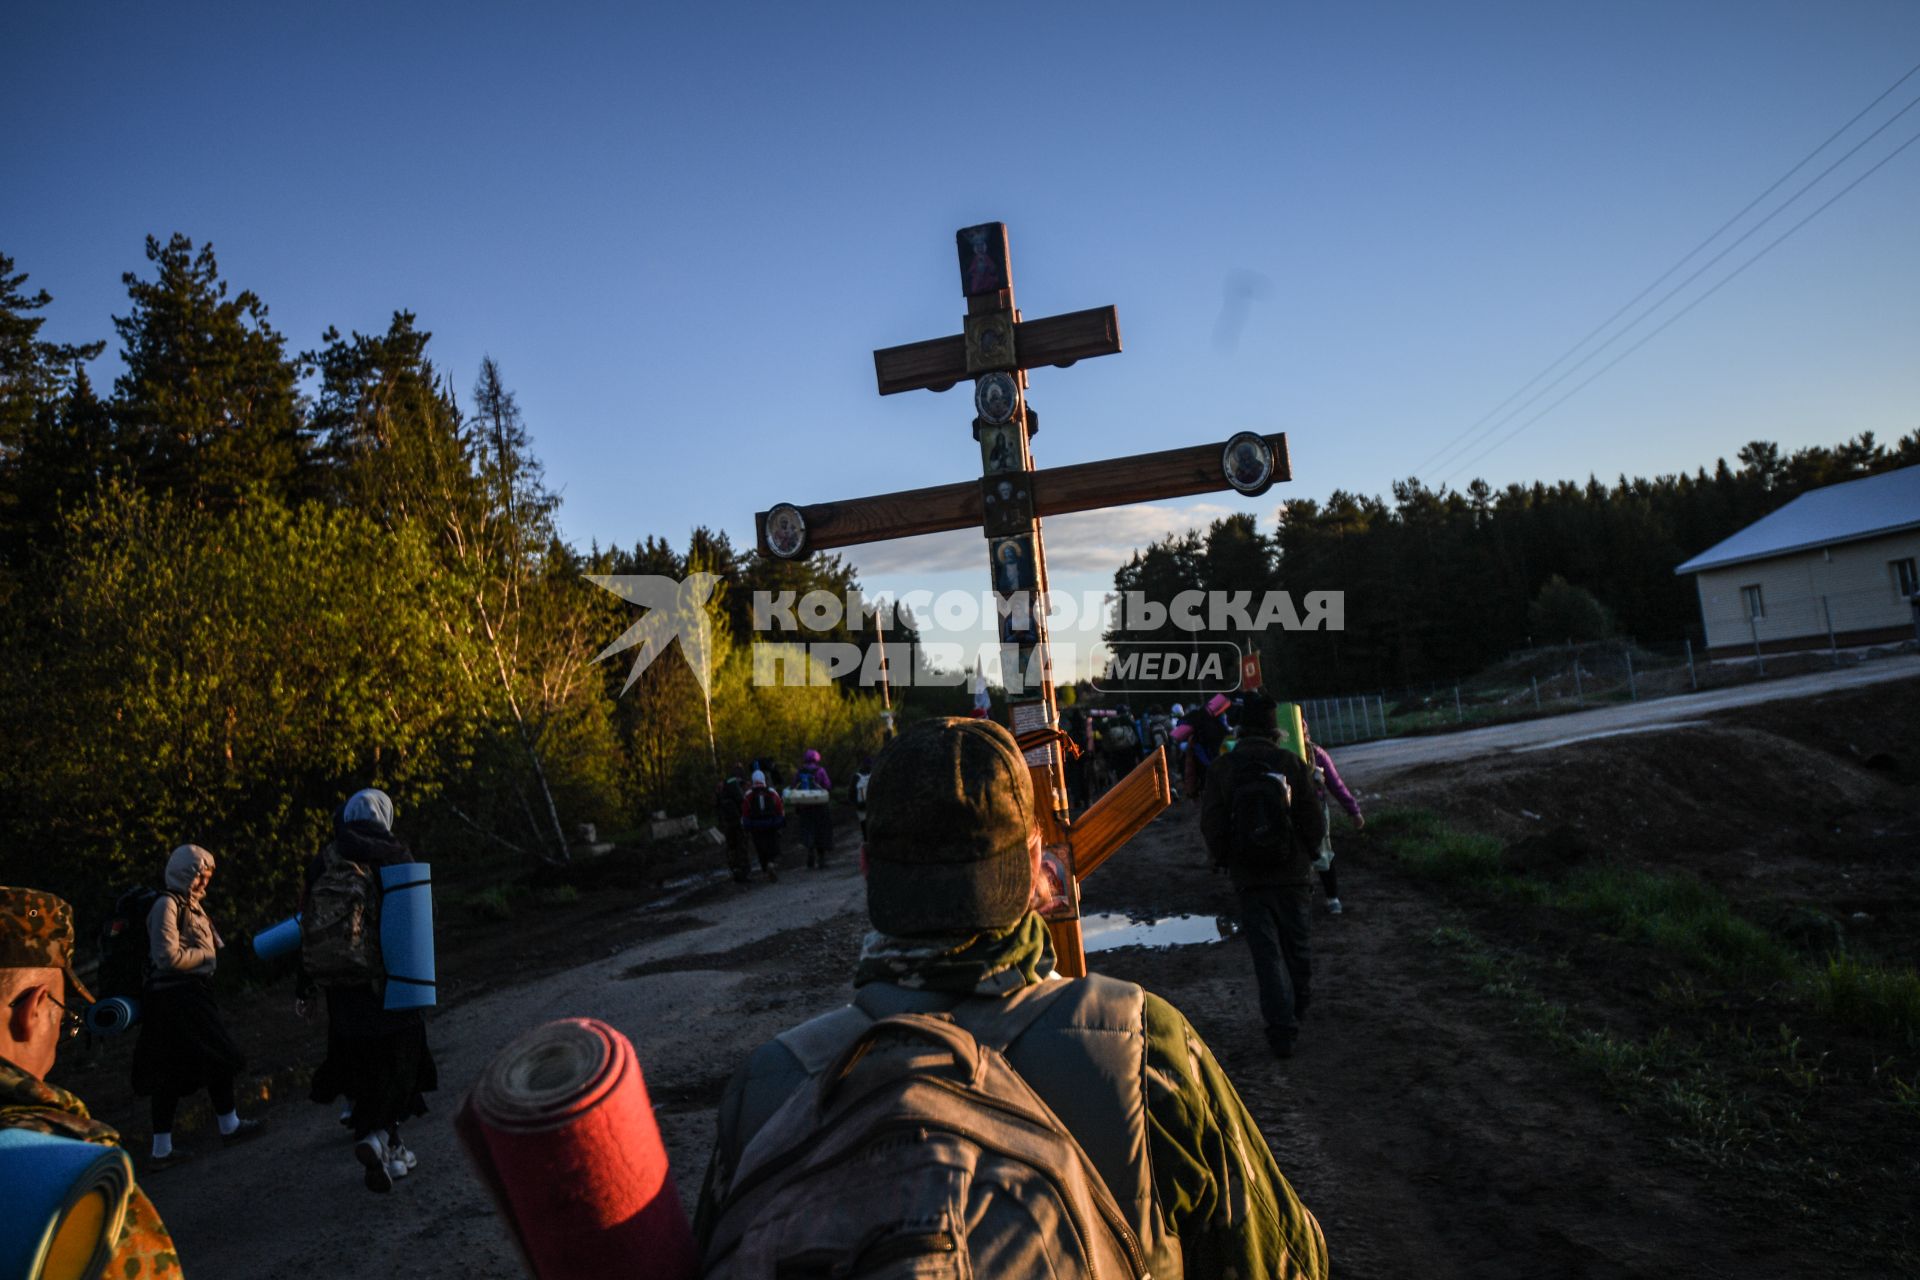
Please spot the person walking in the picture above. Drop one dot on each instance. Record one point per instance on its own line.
(727, 799)
(1262, 819)
(1327, 783)
(1090, 1091)
(762, 814)
(41, 998)
(377, 1058)
(815, 821)
(184, 1046)
(858, 791)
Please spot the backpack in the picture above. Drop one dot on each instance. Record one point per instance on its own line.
(1262, 827)
(125, 950)
(339, 926)
(1120, 736)
(934, 1159)
(763, 807)
(727, 802)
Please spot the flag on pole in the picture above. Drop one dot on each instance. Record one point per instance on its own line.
(982, 704)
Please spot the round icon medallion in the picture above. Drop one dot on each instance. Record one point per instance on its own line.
(1247, 462)
(786, 531)
(994, 397)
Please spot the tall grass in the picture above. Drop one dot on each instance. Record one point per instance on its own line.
(1880, 1002)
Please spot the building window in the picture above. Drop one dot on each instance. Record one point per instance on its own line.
(1750, 596)
(1905, 580)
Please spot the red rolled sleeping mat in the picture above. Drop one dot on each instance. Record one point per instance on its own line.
(563, 1133)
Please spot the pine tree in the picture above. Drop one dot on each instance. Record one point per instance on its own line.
(208, 408)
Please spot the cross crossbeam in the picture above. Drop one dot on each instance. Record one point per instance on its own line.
(1057, 491)
(938, 363)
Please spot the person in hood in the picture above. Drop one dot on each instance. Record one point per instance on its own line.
(184, 1046)
(815, 821)
(762, 814)
(376, 1057)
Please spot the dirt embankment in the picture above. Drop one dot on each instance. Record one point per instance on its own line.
(1494, 1081)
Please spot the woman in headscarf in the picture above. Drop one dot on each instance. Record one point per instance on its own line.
(816, 820)
(377, 1057)
(184, 1047)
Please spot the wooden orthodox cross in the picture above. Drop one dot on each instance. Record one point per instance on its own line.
(996, 350)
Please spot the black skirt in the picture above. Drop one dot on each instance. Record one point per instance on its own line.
(183, 1044)
(377, 1059)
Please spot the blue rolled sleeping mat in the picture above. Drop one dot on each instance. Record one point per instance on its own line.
(66, 1202)
(406, 934)
(114, 1016)
(282, 939)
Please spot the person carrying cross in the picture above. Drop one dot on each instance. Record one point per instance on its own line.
(1186, 1181)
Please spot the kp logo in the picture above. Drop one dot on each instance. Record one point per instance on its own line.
(675, 609)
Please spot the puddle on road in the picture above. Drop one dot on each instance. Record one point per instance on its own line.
(1107, 930)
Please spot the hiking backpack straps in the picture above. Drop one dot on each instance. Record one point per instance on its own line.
(919, 1152)
(340, 929)
(1262, 822)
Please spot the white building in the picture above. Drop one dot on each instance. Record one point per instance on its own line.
(1837, 565)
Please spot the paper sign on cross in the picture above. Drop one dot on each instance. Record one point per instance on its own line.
(995, 350)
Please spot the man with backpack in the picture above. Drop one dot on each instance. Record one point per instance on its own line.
(814, 820)
(762, 814)
(377, 1057)
(970, 1108)
(727, 799)
(1262, 820)
(40, 1001)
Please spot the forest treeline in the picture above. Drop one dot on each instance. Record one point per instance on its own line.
(1440, 583)
(248, 579)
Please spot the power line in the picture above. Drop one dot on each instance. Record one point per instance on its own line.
(1708, 265)
(1662, 327)
(1684, 258)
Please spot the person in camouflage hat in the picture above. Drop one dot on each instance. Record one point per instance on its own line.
(950, 861)
(41, 995)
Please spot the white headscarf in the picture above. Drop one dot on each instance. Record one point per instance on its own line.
(759, 778)
(184, 866)
(369, 806)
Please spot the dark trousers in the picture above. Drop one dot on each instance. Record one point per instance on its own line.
(219, 1092)
(1329, 880)
(766, 845)
(1276, 922)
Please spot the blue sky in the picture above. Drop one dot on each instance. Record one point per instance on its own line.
(682, 231)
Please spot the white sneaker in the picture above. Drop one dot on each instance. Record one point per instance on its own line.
(371, 1151)
(396, 1167)
(1333, 906)
(402, 1152)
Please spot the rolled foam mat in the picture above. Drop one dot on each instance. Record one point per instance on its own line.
(406, 934)
(66, 1201)
(113, 1016)
(281, 940)
(562, 1130)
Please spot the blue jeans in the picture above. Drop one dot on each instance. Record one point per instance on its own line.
(1276, 922)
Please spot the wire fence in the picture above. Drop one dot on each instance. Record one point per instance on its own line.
(1554, 681)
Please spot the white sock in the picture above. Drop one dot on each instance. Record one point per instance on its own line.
(229, 1121)
(162, 1145)
(346, 1112)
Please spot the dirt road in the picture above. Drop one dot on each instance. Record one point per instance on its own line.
(1420, 1121)
(1374, 761)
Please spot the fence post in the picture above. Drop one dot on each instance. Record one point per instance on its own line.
(1833, 643)
(1380, 705)
(1458, 713)
(1536, 691)
(1579, 691)
(1753, 628)
(1633, 686)
(1692, 679)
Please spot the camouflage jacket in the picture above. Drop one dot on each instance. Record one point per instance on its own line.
(1213, 1175)
(145, 1250)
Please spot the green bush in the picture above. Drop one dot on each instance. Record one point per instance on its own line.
(1881, 1002)
(1679, 914)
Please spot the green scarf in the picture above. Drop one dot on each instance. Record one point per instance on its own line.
(986, 964)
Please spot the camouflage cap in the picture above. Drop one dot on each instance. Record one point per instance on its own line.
(949, 812)
(36, 932)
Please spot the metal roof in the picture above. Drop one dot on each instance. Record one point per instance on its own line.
(1867, 508)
